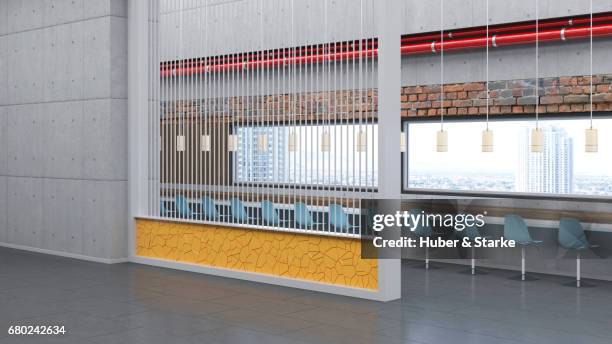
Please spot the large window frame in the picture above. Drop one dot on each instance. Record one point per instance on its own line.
(303, 186)
(406, 190)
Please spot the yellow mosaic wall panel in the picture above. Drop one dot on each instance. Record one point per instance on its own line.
(307, 257)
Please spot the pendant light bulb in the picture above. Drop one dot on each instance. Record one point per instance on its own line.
(591, 141)
(362, 142)
(537, 140)
(232, 143)
(292, 142)
(262, 143)
(180, 143)
(205, 143)
(325, 142)
(487, 141)
(442, 141)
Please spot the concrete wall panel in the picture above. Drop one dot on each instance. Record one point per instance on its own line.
(118, 57)
(96, 58)
(3, 209)
(25, 211)
(62, 226)
(62, 152)
(3, 140)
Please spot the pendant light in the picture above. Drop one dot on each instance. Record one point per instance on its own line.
(292, 141)
(232, 143)
(591, 139)
(325, 142)
(487, 134)
(537, 136)
(442, 136)
(362, 142)
(402, 142)
(205, 143)
(180, 143)
(262, 143)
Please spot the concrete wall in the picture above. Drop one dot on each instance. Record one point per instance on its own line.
(63, 115)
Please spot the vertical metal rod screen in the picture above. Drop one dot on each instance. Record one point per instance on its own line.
(263, 113)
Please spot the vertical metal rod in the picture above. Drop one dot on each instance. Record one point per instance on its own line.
(473, 261)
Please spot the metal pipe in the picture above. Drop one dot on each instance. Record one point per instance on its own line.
(509, 28)
(499, 40)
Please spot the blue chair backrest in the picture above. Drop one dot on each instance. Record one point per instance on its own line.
(302, 215)
(268, 213)
(516, 229)
(238, 211)
(182, 207)
(469, 231)
(419, 229)
(571, 234)
(209, 208)
(337, 217)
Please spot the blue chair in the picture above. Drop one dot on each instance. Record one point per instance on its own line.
(239, 213)
(422, 231)
(472, 233)
(516, 229)
(573, 237)
(339, 219)
(303, 217)
(183, 209)
(270, 215)
(209, 209)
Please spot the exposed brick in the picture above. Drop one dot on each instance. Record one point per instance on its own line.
(497, 85)
(577, 107)
(494, 110)
(505, 101)
(422, 97)
(576, 98)
(505, 109)
(422, 112)
(564, 108)
(431, 89)
(433, 96)
(462, 95)
(529, 109)
(568, 81)
(602, 88)
(474, 86)
(404, 98)
(551, 100)
(517, 109)
(565, 90)
(462, 103)
(481, 102)
(482, 110)
(452, 111)
(462, 111)
(552, 108)
(453, 88)
(531, 100)
(412, 98)
(450, 95)
(473, 111)
(431, 112)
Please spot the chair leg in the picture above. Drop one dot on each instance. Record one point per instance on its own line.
(523, 263)
(524, 277)
(473, 262)
(578, 269)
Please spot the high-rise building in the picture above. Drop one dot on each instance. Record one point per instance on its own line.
(255, 163)
(550, 171)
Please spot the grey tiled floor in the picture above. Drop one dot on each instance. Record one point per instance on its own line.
(129, 303)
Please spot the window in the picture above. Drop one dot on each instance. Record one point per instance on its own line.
(343, 165)
(562, 169)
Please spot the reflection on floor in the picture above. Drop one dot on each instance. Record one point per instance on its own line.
(129, 303)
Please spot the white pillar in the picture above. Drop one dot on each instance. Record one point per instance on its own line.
(389, 23)
(138, 80)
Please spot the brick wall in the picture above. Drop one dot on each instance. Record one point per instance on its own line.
(556, 95)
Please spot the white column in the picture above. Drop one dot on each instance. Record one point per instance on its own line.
(389, 22)
(138, 79)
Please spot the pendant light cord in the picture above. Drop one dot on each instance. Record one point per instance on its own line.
(591, 65)
(487, 64)
(441, 65)
(537, 81)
